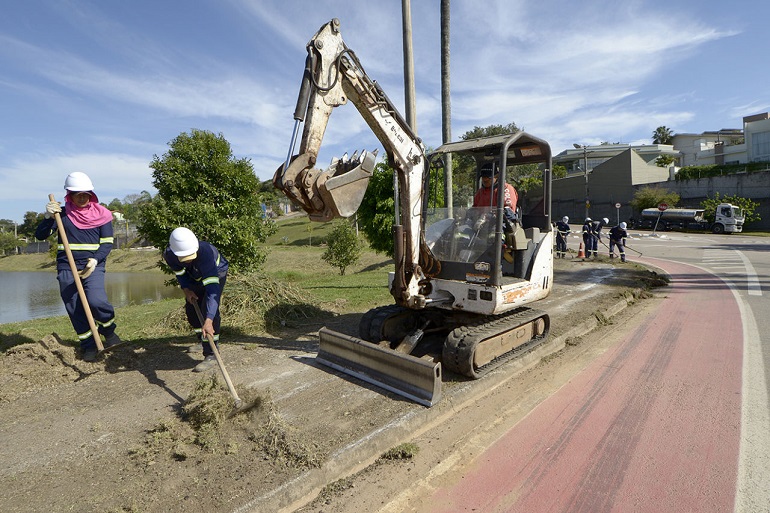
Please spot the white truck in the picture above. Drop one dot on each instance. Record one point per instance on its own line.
(728, 218)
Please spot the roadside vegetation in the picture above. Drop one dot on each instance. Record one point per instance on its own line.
(295, 286)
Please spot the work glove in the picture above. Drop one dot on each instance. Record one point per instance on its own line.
(51, 208)
(88, 269)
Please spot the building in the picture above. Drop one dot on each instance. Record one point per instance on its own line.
(614, 172)
(575, 160)
(607, 189)
(728, 145)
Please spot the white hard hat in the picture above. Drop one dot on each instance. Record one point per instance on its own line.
(183, 242)
(588, 219)
(623, 225)
(565, 219)
(606, 221)
(78, 182)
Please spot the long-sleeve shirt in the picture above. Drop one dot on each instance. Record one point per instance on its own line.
(617, 234)
(487, 197)
(84, 243)
(206, 270)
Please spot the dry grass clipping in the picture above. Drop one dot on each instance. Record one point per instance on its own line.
(253, 302)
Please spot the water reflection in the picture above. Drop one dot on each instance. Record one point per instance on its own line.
(32, 295)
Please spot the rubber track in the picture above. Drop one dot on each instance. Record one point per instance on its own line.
(460, 345)
(371, 324)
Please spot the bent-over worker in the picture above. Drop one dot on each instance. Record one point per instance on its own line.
(618, 237)
(201, 272)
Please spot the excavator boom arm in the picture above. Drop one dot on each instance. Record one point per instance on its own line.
(333, 76)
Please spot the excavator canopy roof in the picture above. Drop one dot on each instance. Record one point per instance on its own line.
(522, 148)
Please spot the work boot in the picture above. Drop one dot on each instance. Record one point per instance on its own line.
(89, 355)
(207, 364)
(612, 256)
(112, 340)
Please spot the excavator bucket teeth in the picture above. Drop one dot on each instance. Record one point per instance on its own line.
(414, 378)
(342, 194)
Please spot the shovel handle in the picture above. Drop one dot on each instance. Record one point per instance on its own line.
(78, 283)
(219, 358)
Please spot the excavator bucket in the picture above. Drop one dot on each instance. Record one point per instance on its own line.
(414, 378)
(343, 193)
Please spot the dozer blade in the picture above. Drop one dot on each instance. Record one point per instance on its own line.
(402, 374)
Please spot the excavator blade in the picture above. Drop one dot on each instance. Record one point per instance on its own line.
(408, 376)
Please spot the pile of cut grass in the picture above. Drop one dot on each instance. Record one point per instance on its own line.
(255, 302)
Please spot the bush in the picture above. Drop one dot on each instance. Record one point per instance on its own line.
(343, 247)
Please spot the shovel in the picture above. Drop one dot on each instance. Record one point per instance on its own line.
(78, 283)
(238, 401)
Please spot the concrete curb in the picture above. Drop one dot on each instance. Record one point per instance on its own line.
(361, 453)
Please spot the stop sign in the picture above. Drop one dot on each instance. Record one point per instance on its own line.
(662, 207)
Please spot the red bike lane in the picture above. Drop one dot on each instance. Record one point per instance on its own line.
(653, 425)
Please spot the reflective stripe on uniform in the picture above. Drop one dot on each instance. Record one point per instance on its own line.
(80, 247)
(211, 280)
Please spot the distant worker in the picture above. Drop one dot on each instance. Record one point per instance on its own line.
(487, 195)
(589, 239)
(618, 237)
(596, 230)
(201, 272)
(88, 228)
(562, 232)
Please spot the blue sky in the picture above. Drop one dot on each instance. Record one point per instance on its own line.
(102, 86)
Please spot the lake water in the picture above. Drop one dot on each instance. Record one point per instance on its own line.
(32, 295)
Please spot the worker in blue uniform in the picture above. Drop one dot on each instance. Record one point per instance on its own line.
(88, 227)
(201, 272)
(562, 232)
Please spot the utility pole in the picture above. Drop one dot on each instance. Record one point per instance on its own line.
(446, 105)
(406, 19)
(585, 172)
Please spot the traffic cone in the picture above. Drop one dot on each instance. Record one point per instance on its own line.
(581, 253)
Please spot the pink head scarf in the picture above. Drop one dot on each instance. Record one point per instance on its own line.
(90, 216)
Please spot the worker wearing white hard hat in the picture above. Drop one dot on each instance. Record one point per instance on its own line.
(618, 237)
(88, 229)
(562, 232)
(201, 272)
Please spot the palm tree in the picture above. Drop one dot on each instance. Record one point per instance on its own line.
(662, 135)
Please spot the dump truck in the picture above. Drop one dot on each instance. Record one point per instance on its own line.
(464, 275)
(728, 218)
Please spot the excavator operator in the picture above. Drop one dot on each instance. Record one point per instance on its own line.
(486, 196)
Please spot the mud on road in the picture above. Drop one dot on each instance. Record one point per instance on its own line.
(138, 431)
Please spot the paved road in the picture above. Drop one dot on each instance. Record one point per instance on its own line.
(675, 418)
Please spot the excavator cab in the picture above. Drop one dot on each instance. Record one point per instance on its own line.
(488, 244)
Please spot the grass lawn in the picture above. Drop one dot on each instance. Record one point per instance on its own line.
(293, 258)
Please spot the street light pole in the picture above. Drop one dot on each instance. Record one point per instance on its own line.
(585, 170)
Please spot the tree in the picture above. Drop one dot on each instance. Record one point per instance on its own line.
(8, 243)
(343, 247)
(28, 227)
(490, 130)
(203, 187)
(649, 197)
(664, 160)
(376, 212)
(748, 206)
(662, 135)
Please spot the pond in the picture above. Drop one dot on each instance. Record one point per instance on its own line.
(33, 295)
